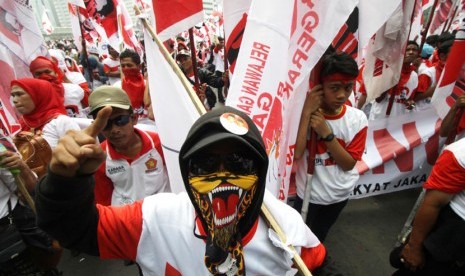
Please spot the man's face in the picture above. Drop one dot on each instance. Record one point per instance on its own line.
(336, 94)
(44, 71)
(120, 127)
(185, 62)
(411, 53)
(223, 181)
(128, 63)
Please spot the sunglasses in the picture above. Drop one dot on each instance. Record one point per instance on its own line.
(120, 120)
(236, 163)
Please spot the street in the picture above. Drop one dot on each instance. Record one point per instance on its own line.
(359, 242)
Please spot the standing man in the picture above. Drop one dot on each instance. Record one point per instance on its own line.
(214, 228)
(111, 66)
(134, 167)
(133, 82)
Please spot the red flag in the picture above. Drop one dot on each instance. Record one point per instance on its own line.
(175, 16)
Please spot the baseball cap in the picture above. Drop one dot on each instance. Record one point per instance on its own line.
(108, 95)
(183, 53)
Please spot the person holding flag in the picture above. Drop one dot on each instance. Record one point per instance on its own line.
(213, 228)
(341, 131)
(397, 100)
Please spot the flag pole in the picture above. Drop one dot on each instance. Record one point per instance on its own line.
(187, 85)
(194, 58)
(428, 24)
(453, 16)
(267, 216)
(394, 89)
(84, 49)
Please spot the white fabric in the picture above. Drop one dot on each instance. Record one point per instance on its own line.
(7, 191)
(330, 184)
(168, 223)
(218, 60)
(137, 180)
(73, 97)
(112, 64)
(426, 103)
(378, 110)
(458, 201)
(57, 128)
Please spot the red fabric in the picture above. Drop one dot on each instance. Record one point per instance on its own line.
(356, 147)
(85, 99)
(313, 257)
(134, 85)
(122, 224)
(344, 78)
(42, 62)
(447, 175)
(48, 104)
(424, 82)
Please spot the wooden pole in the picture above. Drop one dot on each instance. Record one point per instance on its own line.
(187, 85)
(194, 59)
(428, 24)
(84, 49)
(201, 109)
(23, 191)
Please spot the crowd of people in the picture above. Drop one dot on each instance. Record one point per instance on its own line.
(104, 189)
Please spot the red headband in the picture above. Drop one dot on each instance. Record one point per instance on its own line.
(344, 78)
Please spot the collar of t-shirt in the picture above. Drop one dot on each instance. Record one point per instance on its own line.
(146, 146)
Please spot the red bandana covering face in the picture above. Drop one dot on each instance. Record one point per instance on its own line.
(134, 85)
(42, 62)
(48, 104)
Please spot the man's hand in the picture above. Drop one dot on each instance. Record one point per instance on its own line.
(413, 257)
(318, 123)
(11, 160)
(313, 100)
(460, 102)
(78, 152)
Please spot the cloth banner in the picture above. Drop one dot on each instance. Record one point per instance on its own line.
(175, 16)
(235, 19)
(173, 109)
(270, 81)
(399, 153)
(385, 52)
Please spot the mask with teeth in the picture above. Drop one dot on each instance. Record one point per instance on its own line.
(227, 202)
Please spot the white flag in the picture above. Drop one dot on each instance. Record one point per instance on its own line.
(173, 109)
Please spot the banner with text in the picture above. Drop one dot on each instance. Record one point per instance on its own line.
(399, 153)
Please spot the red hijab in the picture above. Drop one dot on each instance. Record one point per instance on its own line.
(48, 104)
(42, 62)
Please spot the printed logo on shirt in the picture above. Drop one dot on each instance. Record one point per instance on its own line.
(325, 162)
(151, 165)
(116, 170)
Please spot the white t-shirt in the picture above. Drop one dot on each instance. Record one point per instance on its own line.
(331, 184)
(111, 65)
(166, 244)
(378, 110)
(57, 128)
(73, 97)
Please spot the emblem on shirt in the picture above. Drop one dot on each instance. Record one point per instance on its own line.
(151, 165)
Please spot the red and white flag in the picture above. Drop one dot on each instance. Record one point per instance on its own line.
(167, 94)
(175, 16)
(385, 52)
(451, 85)
(235, 19)
(46, 24)
(282, 42)
(442, 14)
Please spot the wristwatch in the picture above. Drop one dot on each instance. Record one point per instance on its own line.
(328, 138)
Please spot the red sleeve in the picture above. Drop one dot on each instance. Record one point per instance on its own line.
(424, 82)
(157, 143)
(356, 147)
(103, 185)
(447, 175)
(106, 69)
(313, 257)
(119, 230)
